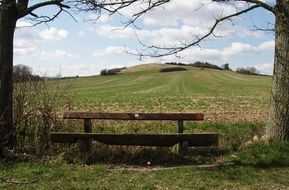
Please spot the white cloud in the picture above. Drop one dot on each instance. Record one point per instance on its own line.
(165, 36)
(113, 32)
(170, 36)
(54, 34)
(55, 55)
(265, 68)
(81, 69)
(111, 50)
(72, 70)
(81, 33)
(24, 51)
(85, 31)
(245, 32)
(268, 45)
(193, 54)
(217, 56)
(21, 24)
(194, 13)
(26, 41)
(241, 48)
(188, 12)
(177, 22)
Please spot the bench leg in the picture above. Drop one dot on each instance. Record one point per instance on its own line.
(85, 145)
(183, 145)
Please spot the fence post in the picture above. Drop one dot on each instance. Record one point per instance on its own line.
(85, 145)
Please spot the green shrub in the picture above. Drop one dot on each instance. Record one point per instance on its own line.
(201, 65)
(172, 69)
(114, 71)
(265, 154)
(250, 70)
(36, 107)
(226, 67)
(174, 63)
(23, 73)
(206, 65)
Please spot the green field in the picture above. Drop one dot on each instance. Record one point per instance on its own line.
(221, 95)
(235, 106)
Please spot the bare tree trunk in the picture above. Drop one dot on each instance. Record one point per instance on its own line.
(7, 27)
(278, 124)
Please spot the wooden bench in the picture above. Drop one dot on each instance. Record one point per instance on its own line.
(166, 140)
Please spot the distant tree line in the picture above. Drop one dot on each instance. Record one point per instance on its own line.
(172, 69)
(113, 71)
(23, 73)
(202, 65)
(250, 70)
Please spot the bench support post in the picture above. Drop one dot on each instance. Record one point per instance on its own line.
(183, 145)
(85, 145)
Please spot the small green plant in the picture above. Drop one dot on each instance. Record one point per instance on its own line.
(264, 153)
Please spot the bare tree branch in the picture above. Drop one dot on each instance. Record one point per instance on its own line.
(45, 19)
(256, 2)
(114, 6)
(261, 4)
(156, 51)
(270, 28)
(43, 4)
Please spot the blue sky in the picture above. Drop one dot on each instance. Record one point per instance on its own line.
(83, 48)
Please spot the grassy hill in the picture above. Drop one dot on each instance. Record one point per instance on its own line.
(219, 94)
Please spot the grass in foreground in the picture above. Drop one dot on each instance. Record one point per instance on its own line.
(64, 176)
(260, 165)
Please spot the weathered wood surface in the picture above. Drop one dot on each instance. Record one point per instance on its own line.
(85, 145)
(134, 116)
(165, 140)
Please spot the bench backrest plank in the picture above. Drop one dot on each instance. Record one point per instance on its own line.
(135, 116)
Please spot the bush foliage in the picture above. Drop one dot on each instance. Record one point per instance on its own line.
(114, 71)
(250, 70)
(200, 65)
(206, 65)
(265, 154)
(36, 107)
(172, 69)
(23, 73)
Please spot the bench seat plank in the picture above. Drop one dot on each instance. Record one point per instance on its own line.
(134, 116)
(165, 140)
